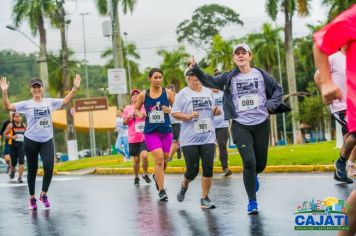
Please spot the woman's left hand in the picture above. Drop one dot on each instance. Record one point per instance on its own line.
(166, 109)
(77, 80)
(217, 111)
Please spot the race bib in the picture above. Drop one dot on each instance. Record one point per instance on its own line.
(156, 117)
(248, 102)
(44, 122)
(139, 127)
(202, 126)
(19, 137)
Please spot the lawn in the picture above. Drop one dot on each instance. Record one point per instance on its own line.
(323, 153)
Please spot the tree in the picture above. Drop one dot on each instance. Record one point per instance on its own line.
(35, 12)
(289, 7)
(206, 22)
(173, 66)
(219, 55)
(337, 6)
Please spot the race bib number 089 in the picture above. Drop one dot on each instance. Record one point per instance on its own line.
(248, 102)
(156, 117)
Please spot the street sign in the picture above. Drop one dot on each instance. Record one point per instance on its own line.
(117, 81)
(91, 104)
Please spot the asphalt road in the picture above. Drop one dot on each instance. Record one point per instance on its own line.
(112, 205)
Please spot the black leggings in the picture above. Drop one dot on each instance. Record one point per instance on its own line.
(16, 154)
(222, 134)
(252, 143)
(192, 156)
(46, 151)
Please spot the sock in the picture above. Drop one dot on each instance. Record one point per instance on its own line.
(342, 158)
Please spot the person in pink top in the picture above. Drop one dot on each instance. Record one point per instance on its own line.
(137, 146)
(339, 32)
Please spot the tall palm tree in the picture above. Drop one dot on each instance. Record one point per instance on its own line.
(264, 48)
(35, 12)
(337, 6)
(289, 7)
(219, 54)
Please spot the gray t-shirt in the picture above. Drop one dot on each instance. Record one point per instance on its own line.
(196, 131)
(249, 97)
(219, 121)
(38, 116)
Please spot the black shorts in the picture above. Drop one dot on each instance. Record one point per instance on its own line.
(176, 131)
(340, 117)
(17, 154)
(6, 148)
(135, 149)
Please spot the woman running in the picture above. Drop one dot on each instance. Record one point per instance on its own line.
(15, 136)
(250, 94)
(38, 138)
(194, 106)
(158, 129)
(122, 143)
(137, 145)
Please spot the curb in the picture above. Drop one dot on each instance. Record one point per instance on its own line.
(181, 170)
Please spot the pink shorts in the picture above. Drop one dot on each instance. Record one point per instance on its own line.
(157, 140)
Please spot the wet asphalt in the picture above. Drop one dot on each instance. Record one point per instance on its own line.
(112, 205)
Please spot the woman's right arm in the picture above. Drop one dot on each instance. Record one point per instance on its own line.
(138, 105)
(4, 88)
(7, 132)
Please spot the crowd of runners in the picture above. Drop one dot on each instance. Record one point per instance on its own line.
(191, 122)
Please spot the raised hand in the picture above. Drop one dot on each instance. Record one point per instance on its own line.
(4, 84)
(191, 62)
(77, 80)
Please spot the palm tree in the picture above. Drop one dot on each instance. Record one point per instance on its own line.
(289, 7)
(35, 12)
(219, 54)
(264, 48)
(337, 6)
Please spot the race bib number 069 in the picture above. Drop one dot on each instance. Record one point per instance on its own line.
(248, 102)
(44, 122)
(156, 117)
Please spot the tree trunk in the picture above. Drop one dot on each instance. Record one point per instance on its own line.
(43, 57)
(292, 85)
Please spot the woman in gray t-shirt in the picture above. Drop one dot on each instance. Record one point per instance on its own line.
(38, 138)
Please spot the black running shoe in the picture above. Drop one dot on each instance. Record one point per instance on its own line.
(12, 174)
(227, 172)
(181, 193)
(163, 195)
(206, 203)
(19, 180)
(147, 178)
(179, 153)
(137, 181)
(346, 179)
(154, 178)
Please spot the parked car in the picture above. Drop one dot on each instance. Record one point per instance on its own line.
(87, 153)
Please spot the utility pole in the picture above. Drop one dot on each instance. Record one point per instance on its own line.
(128, 63)
(72, 146)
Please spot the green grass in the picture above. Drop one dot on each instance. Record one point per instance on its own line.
(323, 153)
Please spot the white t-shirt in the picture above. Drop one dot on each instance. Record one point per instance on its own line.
(219, 121)
(39, 117)
(196, 131)
(249, 97)
(337, 62)
(121, 128)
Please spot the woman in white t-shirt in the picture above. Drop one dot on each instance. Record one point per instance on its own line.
(38, 138)
(194, 106)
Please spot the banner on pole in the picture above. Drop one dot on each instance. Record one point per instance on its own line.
(117, 81)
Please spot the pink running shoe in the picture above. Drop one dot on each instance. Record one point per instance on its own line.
(32, 204)
(44, 200)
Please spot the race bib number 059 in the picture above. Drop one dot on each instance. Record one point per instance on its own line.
(248, 102)
(156, 117)
(44, 122)
(202, 126)
(139, 127)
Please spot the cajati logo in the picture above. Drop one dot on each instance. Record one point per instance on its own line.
(327, 214)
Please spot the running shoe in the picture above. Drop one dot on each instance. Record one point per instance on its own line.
(351, 169)
(252, 207)
(206, 203)
(12, 174)
(163, 195)
(346, 180)
(257, 184)
(227, 172)
(146, 178)
(137, 181)
(19, 180)
(32, 204)
(44, 200)
(181, 193)
(7, 169)
(154, 178)
(179, 154)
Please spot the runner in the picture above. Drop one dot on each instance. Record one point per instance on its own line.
(250, 94)
(343, 166)
(6, 153)
(137, 146)
(15, 135)
(38, 138)
(176, 130)
(122, 138)
(158, 130)
(339, 32)
(194, 106)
